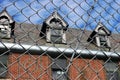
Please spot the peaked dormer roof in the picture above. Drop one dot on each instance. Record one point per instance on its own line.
(4, 13)
(56, 15)
(100, 26)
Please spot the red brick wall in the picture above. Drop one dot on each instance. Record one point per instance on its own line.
(30, 67)
(85, 69)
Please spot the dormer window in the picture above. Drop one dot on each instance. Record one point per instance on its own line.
(6, 26)
(100, 36)
(54, 29)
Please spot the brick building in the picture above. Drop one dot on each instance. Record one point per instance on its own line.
(54, 51)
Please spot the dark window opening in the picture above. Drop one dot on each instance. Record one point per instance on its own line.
(3, 66)
(103, 40)
(111, 75)
(56, 36)
(3, 71)
(59, 69)
(112, 71)
(58, 74)
(55, 32)
(56, 39)
(5, 24)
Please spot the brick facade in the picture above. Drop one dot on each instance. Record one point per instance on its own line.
(25, 66)
(82, 69)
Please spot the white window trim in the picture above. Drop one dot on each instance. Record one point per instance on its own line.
(48, 35)
(64, 37)
(107, 41)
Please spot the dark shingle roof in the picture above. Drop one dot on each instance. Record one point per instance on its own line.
(76, 38)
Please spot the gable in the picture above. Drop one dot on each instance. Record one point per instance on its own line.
(100, 26)
(53, 21)
(4, 13)
(99, 36)
(55, 17)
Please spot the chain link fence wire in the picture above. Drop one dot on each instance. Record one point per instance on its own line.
(60, 40)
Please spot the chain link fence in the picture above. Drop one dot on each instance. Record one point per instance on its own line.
(59, 40)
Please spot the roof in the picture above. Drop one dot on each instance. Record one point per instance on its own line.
(76, 38)
(25, 33)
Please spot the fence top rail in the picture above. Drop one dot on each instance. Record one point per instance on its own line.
(34, 49)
